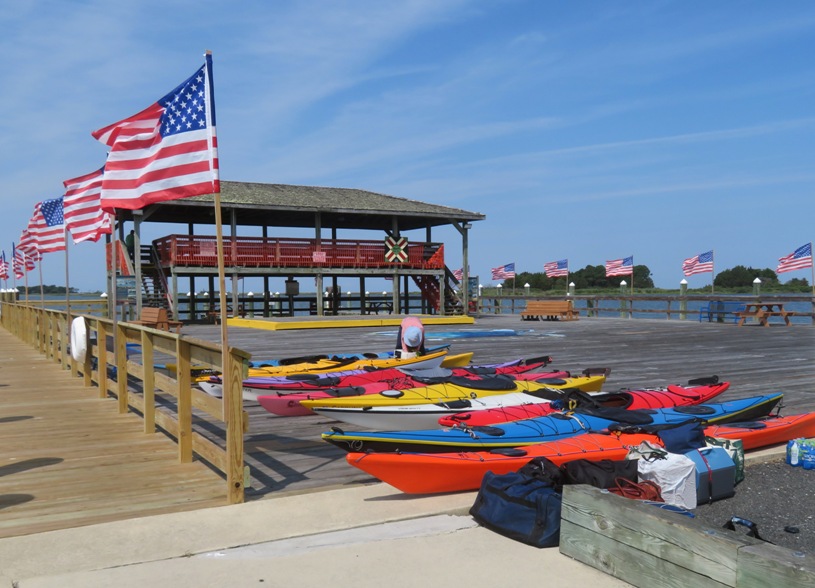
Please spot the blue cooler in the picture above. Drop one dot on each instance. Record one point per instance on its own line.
(715, 474)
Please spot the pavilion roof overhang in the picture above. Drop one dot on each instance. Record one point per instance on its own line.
(281, 205)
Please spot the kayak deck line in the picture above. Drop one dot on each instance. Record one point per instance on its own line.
(334, 322)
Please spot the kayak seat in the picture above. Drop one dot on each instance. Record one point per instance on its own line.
(509, 451)
(551, 381)
(545, 393)
(461, 404)
(619, 415)
(493, 383)
(754, 425)
(345, 391)
(301, 377)
(695, 409)
(482, 371)
(487, 430)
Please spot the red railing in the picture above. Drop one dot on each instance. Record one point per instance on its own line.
(201, 251)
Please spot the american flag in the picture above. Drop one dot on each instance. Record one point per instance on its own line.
(620, 267)
(698, 264)
(27, 251)
(503, 272)
(165, 152)
(17, 262)
(3, 267)
(47, 226)
(798, 259)
(554, 269)
(84, 217)
(459, 274)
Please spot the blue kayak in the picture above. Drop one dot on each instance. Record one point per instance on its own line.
(548, 428)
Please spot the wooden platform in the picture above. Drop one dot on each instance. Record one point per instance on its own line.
(286, 454)
(68, 459)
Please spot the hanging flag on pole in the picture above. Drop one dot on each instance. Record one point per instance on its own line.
(165, 152)
(3, 267)
(47, 226)
(27, 250)
(458, 274)
(801, 258)
(699, 264)
(504, 272)
(17, 262)
(84, 217)
(555, 269)
(620, 267)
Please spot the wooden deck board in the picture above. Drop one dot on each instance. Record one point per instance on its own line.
(69, 459)
(285, 454)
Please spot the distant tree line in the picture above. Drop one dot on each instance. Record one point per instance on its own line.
(47, 289)
(593, 277)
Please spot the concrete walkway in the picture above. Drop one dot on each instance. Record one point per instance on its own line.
(363, 536)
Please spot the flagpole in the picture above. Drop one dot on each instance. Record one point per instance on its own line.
(67, 283)
(712, 270)
(812, 265)
(42, 288)
(219, 238)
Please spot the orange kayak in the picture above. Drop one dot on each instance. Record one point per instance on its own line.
(430, 473)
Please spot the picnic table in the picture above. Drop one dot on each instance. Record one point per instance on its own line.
(763, 311)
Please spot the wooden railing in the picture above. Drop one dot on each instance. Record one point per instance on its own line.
(648, 306)
(265, 252)
(165, 400)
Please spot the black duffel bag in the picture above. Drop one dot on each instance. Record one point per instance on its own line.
(519, 506)
(600, 474)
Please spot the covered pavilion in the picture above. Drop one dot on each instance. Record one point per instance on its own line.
(325, 255)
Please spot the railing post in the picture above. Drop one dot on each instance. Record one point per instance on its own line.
(683, 300)
(121, 368)
(622, 299)
(233, 415)
(148, 382)
(184, 378)
(102, 355)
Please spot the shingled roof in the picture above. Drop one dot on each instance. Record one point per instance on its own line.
(284, 205)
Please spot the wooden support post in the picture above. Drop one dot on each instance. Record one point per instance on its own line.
(121, 367)
(233, 415)
(102, 354)
(148, 382)
(184, 378)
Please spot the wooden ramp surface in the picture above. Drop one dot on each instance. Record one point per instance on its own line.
(68, 459)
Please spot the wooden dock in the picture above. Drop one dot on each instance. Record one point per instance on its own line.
(95, 482)
(68, 458)
(287, 453)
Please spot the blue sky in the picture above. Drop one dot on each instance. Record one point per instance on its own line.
(582, 130)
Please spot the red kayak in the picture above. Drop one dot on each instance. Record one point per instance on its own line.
(697, 392)
(430, 473)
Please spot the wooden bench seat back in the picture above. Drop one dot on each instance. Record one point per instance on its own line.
(550, 310)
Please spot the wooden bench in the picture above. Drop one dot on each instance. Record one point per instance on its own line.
(549, 310)
(157, 318)
(719, 310)
(643, 545)
(214, 315)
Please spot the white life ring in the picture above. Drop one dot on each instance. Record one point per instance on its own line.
(79, 339)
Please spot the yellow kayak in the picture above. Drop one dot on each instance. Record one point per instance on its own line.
(447, 392)
(431, 360)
